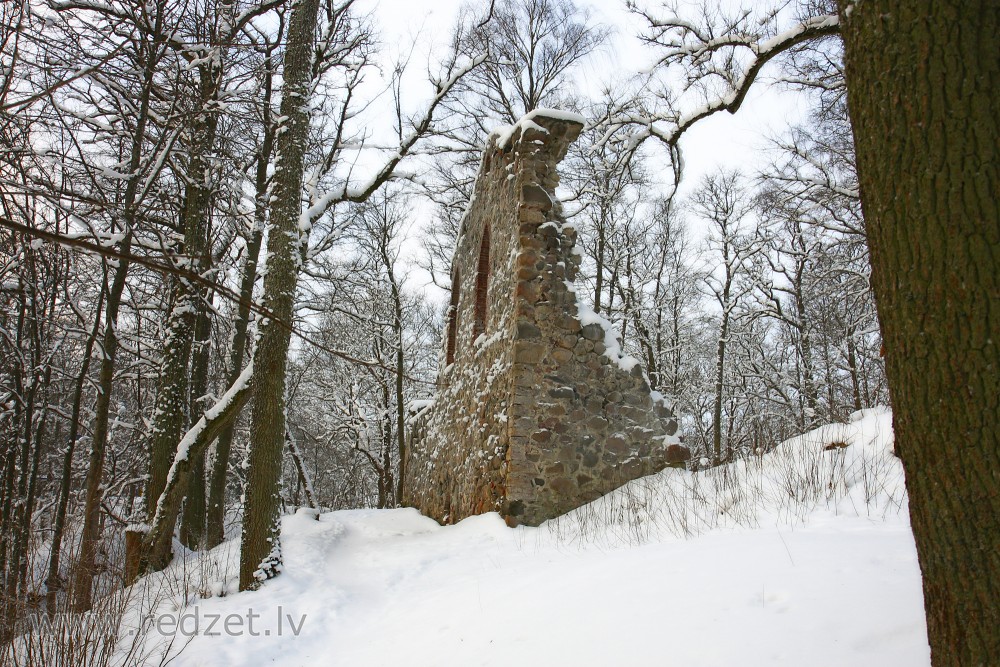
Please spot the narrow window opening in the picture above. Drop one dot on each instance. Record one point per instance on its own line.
(456, 286)
(482, 284)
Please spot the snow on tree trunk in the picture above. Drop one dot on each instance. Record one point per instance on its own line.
(216, 510)
(260, 554)
(170, 413)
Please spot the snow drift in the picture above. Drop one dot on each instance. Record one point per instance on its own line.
(802, 556)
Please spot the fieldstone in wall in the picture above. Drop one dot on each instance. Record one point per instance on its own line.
(536, 411)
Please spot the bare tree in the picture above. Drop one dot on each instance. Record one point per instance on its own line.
(724, 204)
(919, 164)
(287, 242)
(534, 48)
(150, 50)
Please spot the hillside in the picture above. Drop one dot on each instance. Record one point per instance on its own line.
(803, 556)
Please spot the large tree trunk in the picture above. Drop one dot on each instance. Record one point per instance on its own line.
(169, 412)
(260, 552)
(924, 90)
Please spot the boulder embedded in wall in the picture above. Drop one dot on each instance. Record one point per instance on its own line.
(677, 454)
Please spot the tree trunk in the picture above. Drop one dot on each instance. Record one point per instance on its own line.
(387, 497)
(924, 89)
(17, 513)
(599, 261)
(193, 523)
(400, 362)
(720, 376)
(170, 413)
(675, 347)
(85, 568)
(32, 488)
(53, 582)
(260, 552)
(300, 469)
(34, 425)
(720, 366)
(805, 350)
(216, 510)
(155, 545)
(852, 365)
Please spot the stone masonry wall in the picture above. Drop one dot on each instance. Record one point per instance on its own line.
(539, 413)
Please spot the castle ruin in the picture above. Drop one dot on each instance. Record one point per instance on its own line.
(536, 412)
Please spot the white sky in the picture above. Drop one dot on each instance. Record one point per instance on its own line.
(729, 140)
(724, 140)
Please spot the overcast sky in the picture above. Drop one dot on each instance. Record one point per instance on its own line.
(732, 141)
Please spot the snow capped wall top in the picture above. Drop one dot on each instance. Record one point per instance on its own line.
(539, 119)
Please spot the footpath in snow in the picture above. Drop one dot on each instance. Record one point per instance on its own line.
(801, 557)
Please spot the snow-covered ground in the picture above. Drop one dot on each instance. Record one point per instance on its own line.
(803, 556)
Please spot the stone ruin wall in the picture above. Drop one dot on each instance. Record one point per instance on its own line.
(535, 415)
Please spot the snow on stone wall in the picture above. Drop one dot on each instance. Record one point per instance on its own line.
(537, 413)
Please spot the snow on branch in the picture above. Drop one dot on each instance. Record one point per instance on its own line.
(735, 57)
(191, 446)
(420, 127)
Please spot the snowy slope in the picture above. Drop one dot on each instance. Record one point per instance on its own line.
(800, 557)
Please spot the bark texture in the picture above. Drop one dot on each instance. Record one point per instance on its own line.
(924, 90)
(172, 399)
(260, 554)
(192, 531)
